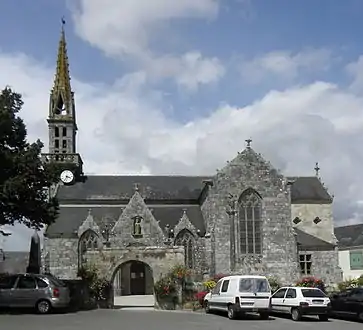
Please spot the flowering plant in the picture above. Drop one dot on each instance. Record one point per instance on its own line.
(199, 296)
(209, 285)
(311, 281)
(180, 272)
(165, 287)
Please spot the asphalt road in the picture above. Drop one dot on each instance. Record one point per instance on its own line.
(159, 320)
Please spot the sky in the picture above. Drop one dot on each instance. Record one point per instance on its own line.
(176, 87)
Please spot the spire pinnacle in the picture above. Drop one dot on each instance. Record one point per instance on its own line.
(317, 169)
(62, 95)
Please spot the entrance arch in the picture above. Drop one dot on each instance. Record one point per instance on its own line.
(133, 278)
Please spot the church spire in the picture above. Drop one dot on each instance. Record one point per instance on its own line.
(62, 95)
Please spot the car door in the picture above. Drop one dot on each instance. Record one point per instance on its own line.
(354, 301)
(25, 292)
(289, 300)
(339, 302)
(7, 284)
(214, 301)
(224, 296)
(277, 300)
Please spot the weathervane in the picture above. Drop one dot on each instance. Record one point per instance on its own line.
(63, 21)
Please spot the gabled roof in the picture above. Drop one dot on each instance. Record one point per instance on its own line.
(308, 189)
(122, 188)
(349, 236)
(308, 241)
(174, 189)
(71, 218)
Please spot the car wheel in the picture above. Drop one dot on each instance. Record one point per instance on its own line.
(323, 317)
(206, 307)
(43, 307)
(231, 312)
(360, 316)
(295, 314)
(264, 315)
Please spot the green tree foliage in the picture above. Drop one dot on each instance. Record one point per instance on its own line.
(24, 180)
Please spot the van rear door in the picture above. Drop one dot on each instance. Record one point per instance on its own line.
(256, 290)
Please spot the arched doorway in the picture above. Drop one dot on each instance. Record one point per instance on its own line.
(132, 278)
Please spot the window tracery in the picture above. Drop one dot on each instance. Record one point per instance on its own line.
(250, 224)
(87, 242)
(186, 239)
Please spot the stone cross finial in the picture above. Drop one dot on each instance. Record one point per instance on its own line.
(248, 141)
(317, 169)
(136, 186)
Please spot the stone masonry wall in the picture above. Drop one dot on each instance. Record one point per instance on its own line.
(308, 212)
(62, 256)
(160, 260)
(325, 265)
(279, 255)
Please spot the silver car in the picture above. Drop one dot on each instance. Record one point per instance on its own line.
(42, 292)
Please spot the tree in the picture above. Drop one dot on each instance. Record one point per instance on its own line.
(24, 179)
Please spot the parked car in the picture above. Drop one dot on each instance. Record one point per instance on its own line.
(348, 303)
(300, 301)
(240, 294)
(42, 292)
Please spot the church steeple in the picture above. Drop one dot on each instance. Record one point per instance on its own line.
(62, 116)
(62, 98)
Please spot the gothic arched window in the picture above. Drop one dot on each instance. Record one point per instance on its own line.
(250, 224)
(186, 239)
(88, 241)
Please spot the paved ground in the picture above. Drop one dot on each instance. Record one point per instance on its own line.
(159, 320)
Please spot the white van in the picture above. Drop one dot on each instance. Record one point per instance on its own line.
(239, 294)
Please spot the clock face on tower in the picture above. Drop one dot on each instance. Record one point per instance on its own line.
(67, 176)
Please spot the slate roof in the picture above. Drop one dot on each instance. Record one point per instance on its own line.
(170, 189)
(122, 188)
(71, 218)
(349, 236)
(15, 262)
(308, 189)
(309, 241)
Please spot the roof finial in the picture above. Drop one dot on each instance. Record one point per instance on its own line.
(317, 169)
(248, 141)
(63, 20)
(136, 186)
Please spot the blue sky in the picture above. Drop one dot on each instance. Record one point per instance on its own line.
(177, 88)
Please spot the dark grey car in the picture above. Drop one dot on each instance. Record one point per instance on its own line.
(42, 292)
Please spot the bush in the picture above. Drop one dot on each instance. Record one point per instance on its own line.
(200, 297)
(209, 285)
(274, 283)
(353, 283)
(165, 287)
(311, 281)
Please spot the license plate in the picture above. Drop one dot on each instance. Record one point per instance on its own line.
(317, 302)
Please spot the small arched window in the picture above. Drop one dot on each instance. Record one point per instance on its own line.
(87, 242)
(250, 222)
(186, 239)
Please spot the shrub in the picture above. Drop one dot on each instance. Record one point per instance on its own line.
(352, 283)
(165, 287)
(274, 283)
(311, 281)
(99, 286)
(200, 297)
(209, 285)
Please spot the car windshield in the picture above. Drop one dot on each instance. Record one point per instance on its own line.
(313, 293)
(254, 285)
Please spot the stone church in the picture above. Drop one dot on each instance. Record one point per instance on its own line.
(247, 218)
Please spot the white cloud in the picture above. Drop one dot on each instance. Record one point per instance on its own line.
(284, 64)
(355, 70)
(128, 28)
(122, 129)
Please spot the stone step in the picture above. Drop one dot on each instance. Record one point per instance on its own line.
(134, 301)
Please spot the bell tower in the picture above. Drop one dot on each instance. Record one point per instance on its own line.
(62, 116)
